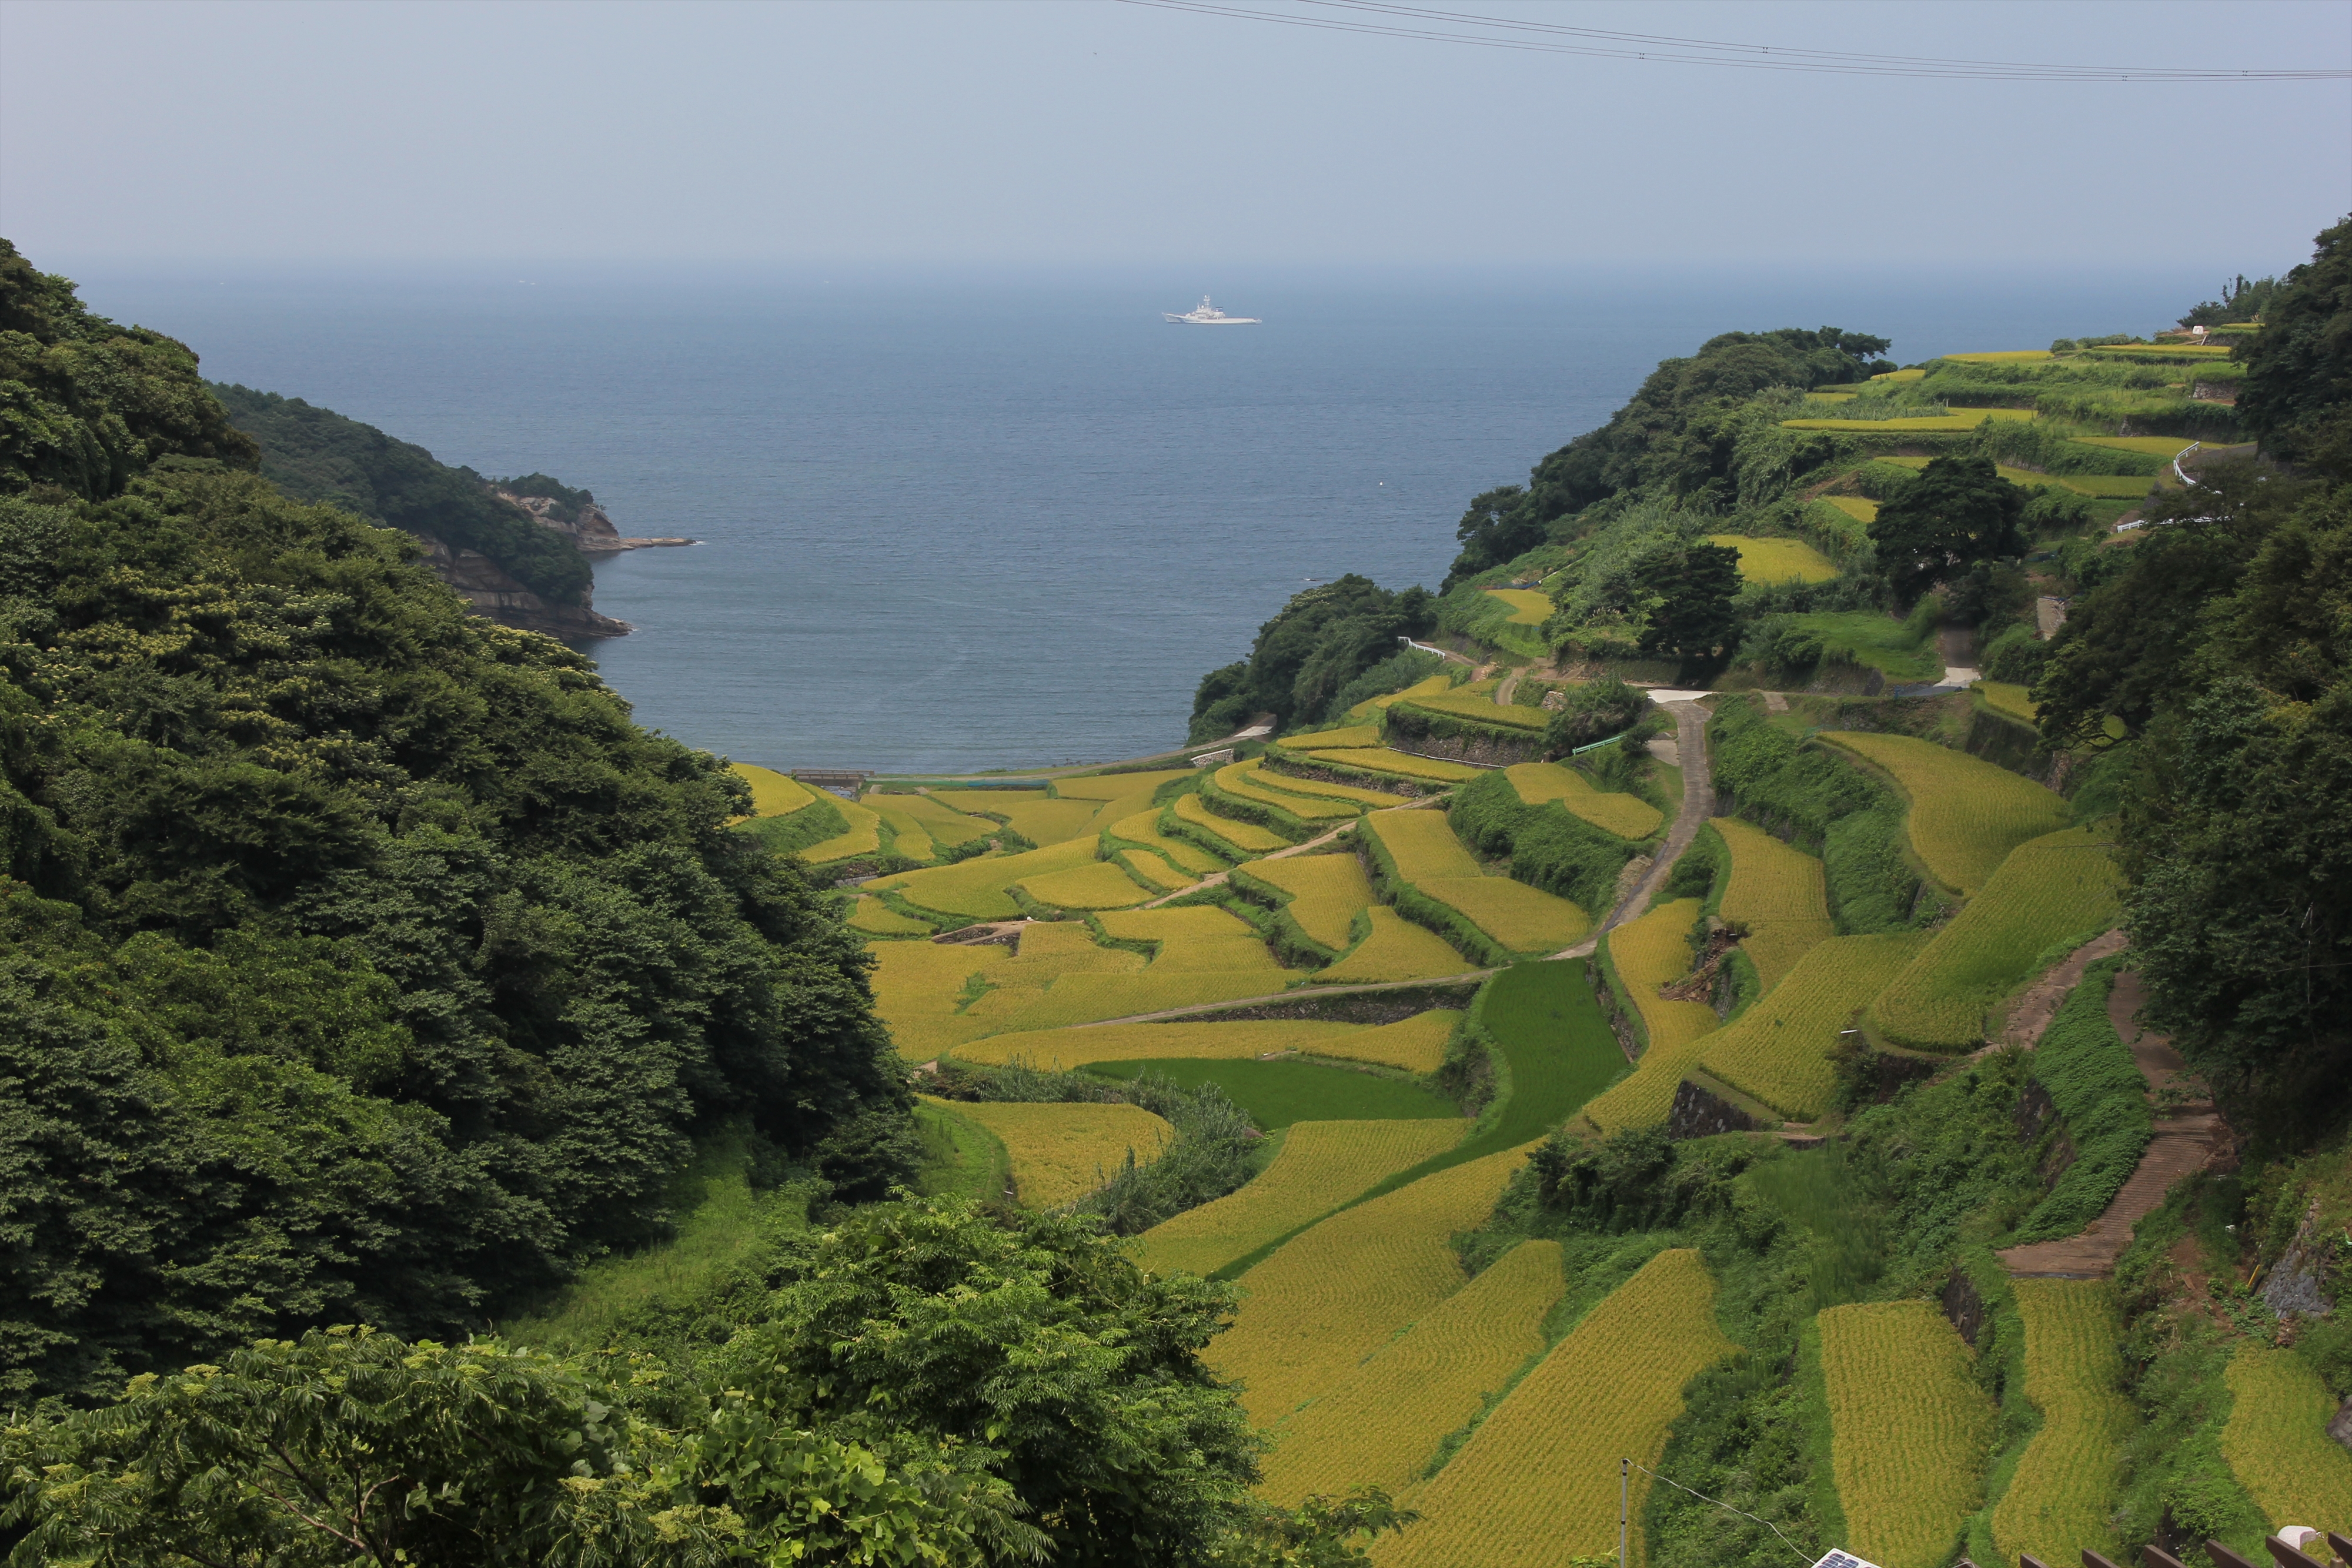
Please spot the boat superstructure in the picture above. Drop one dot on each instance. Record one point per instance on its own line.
(1208, 315)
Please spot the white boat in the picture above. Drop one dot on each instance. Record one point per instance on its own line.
(1209, 315)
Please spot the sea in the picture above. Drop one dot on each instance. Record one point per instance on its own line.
(960, 520)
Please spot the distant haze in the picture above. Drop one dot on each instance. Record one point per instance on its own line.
(1075, 135)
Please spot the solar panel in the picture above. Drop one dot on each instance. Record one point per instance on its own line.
(1838, 1559)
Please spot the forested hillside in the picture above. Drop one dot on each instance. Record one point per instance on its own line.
(364, 962)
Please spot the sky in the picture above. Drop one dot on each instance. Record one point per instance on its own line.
(1095, 131)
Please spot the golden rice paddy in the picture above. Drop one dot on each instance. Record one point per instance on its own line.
(1397, 949)
(1528, 608)
(1245, 836)
(1777, 560)
(1380, 759)
(1648, 953)
(1965, 814)
(1322, 1164)
(1910, 1430)
(1778, 892)
(1779, 1050)
(1097, 885)
(1627, 816)
(1324, 893)
(773, 794)
(2061, 1498)
(1063, 1152)
(1342, 739)
(2277, 1440)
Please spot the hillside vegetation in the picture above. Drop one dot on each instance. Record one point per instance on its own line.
(1352, 1149)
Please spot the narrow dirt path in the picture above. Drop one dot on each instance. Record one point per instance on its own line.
(1698, 805)
(2182, 1144)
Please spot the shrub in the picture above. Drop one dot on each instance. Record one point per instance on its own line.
(1591, 712)
(1550, 847)
(2099, 1088)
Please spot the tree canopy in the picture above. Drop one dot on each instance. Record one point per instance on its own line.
(359, 960)
(1960, 513)
(1321, 640)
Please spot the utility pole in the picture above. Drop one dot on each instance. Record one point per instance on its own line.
(1624, 1475)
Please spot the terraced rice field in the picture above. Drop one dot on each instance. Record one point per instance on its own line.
(1241, 779)
(1142, 830)
(1338, 1291)
(1528, 608)
(1957, 420)
(1537, 1482)
(1646, 954)
(1519, 918)
(2003, 697)
(1432, 686)
(1061, 1153)
(2149, 445)
(975, 888)
(1779, 1050)
(1324, 893)
(1909, 1430)
(2277, 1440)
(1033, 813)
(773, 794)
(1086, 999)
(2001, 356)
(1397, 949)
(1965, 814)
(863, 837)
(1243, 1039)
(1192, 940)
(1117, 786)
(1382, 1426)
(1322, 1164)
(2059, 886)
(876, 918)
(2059, 1501)
(1380, 759)
(1483, 709)
(941, 822)
(1627, 816)
(1097, 885)
(1155, 871)
(919, 987)
(1777, 891)
(1342, 739)
(1247, 837)
(1854, 506)
(1777, 560)
(1290, 784)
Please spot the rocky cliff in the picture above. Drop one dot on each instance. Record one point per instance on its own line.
(585, 524)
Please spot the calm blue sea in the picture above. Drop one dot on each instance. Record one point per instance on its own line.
(965, 521)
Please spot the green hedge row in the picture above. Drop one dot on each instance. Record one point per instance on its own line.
(1550, 847)
(2103, 1095)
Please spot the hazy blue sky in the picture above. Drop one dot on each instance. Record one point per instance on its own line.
(1095, 131)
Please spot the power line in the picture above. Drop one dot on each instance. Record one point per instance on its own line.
(1802, 1556)
(1377, 18)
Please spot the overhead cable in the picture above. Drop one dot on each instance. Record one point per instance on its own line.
(1376, 19)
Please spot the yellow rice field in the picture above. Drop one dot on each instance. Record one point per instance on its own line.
(1117, 786)
(1627, 816)
(2277, 1440)
(1965, 814)
(1528, 608)
(1433, 686)
(1202, 938)
(1246, 836)
(1154, 870)
(2004, 697)
(1342, 739)
(1778, 892)
(2060, 885)
(1777, 560)
(863, 837)
(2000, 356)
(1063, 1152)
(1033, 814)
(1341, 1291)
(1537, 1483)
(1325, 893)
(918, 985)
(1779, 1050)
(1097, 885)
(1396, 950)
(1423, 846)
(1380, 759)
(1648, 953)
(875, 917)
(1959, 419)
(1482, 707)
(943, 823)
(1143, 830)
(1383, 1424)
(1416, 1044)
(1288, 784)
(773, 794)
(1241, 779)
(1090, 998)
(1910, 1430)
(1322, 1164)
(1855, 507)
(2151, 445)
(1522, 919)
(2058, 1503)
(975, 888)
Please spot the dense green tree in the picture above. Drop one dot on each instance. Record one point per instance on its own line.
(1690, 592)
(932, 1383)
(1321, 640)
(1591, 711)
(2240, 301)
(1958, 514)
(359, 960)
(316, 454)
(2297, 397)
